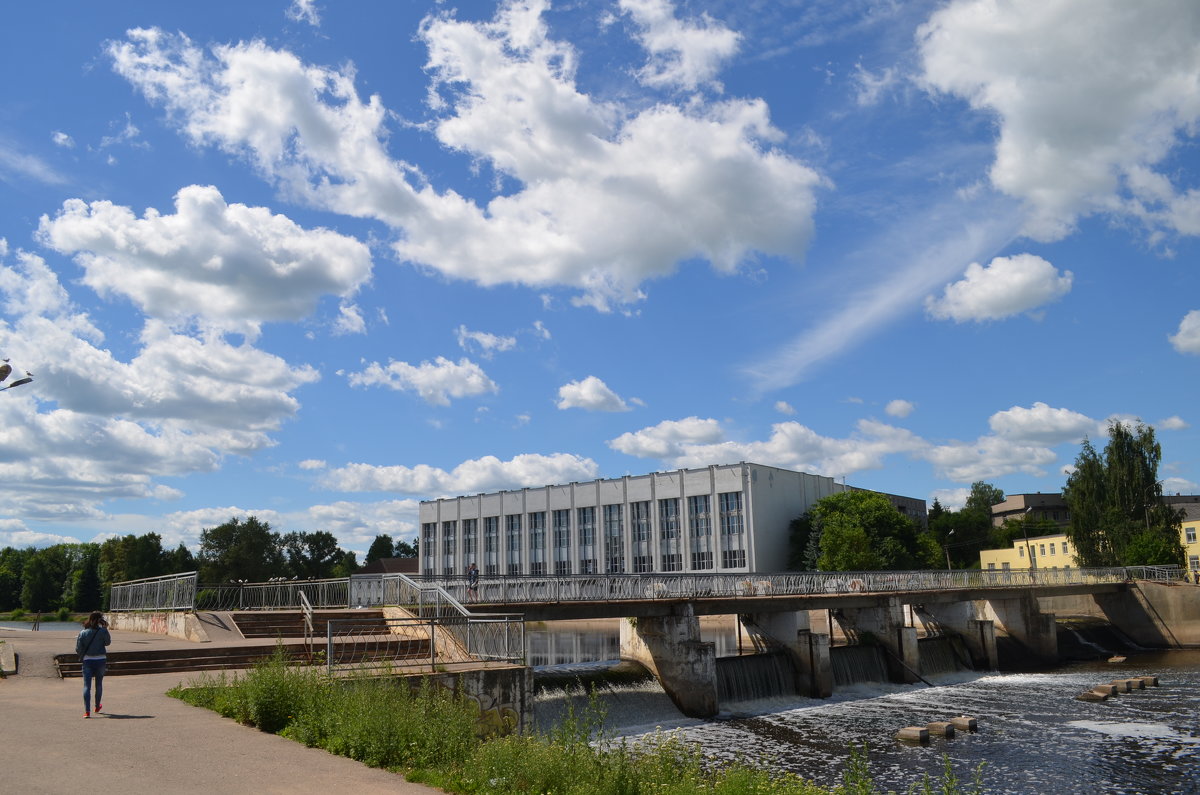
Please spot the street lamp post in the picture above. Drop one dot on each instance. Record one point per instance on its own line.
(946, 547)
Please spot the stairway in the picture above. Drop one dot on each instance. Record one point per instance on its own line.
(290, 624)
(209, 658)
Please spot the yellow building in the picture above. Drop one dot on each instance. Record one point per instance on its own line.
(1191, 529)
(1056, 552)
(1042, 552)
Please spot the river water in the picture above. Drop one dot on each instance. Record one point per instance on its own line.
(1033, 735)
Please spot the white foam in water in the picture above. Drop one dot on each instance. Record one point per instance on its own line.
(1154, 731)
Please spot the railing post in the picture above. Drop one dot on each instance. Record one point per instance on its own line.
(329, 647)
(432, 647)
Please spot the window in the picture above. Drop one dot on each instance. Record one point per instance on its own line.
(1021, 552)
(1051, 547)
(1191, 534)
(733, 550)
(491, 545)
(1064, 546)
(614, 540)
(470, 529)
(639, 527)
(991, 567)
(448, 541)
(1005, 566)
(1042, 551)
(700, 530)
(537, 544)
(429, 544)
(512, 527)
(1194, 562)
(733, 558)
(585, 526)
(561, 531)
(669, 543)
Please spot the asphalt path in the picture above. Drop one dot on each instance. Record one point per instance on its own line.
(146, 741)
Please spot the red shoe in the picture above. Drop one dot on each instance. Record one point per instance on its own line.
(87, 714)
(98, 708)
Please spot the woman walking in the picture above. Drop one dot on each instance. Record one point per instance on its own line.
(89, 645)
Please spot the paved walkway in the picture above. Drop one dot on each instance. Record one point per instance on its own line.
(146, 741)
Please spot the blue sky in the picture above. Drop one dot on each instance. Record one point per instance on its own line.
(317, 262)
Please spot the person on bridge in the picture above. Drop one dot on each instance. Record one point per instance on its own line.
(89, 645)
(472, 583)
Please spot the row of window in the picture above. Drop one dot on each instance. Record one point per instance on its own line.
(1034, 552)
(1006, 566)
(575, 548)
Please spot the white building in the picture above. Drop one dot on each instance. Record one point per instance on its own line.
(727, 518)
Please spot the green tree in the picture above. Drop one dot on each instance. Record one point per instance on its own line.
(862, 530)
(406, 549)
(179, 560)
(87, 596)
(312, 555)
(12, 565)
(1118, 516)
(240, 550)
(346, 566)
(39, 590)
(381, 547)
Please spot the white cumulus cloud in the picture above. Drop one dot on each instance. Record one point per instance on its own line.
(1187, 338)
(485, 343)
(1005, 287)
(607, 195)
(683, 53)
(899, 408)
(479, 475)
(1041, 424)
(1090, 96)
(436, 382)
(229, 265)
(590, 394)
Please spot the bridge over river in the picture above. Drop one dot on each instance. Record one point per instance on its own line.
(889, 608)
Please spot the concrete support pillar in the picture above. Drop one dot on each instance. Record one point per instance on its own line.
(1021, 618)
(885, 623)
(809, 651)
(671, 649)
(959, 618)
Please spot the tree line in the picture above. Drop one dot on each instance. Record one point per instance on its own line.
(76, 577)
(1118, 517)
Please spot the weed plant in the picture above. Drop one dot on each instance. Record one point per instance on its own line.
(431, 735)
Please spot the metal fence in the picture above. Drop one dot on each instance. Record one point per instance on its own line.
(386, 645)
(443, 598)
(1160, 573)
(169, 592)
(277, 595)
(619, 587)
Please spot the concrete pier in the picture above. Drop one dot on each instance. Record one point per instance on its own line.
(671, 649)
(808, 650)
(885, 622)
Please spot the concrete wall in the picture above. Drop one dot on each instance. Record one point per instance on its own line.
(504, 696)
(1158, 615)
(184, 626)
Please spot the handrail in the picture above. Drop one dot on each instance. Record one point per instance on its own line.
(442, 597)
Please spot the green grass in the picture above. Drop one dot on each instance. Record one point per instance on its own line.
(431, 736)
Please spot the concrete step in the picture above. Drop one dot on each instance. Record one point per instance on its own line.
(219, 658)
(291, 624)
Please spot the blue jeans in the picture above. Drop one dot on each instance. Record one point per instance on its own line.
(93, 668)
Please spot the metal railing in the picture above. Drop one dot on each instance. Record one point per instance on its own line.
(641, 587)
(443, 597)
(277, 595)
(169, 592)
(374, 645)
(1159, 573)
